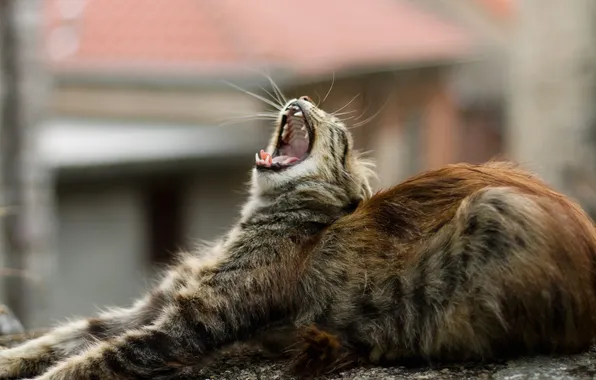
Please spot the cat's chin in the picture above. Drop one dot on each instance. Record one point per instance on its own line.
(268, 180)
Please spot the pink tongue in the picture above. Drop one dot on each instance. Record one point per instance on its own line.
(285, 160)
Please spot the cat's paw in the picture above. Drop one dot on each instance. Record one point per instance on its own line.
(16, 364)
(320, 352)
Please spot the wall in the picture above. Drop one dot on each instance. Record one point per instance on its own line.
(168, 103)
(100, 255)
(212, 202)
(551, 97)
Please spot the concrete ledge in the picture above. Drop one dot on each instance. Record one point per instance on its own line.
(576, 367)
(573, 367)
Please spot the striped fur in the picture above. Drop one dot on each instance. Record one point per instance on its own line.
(462, 263)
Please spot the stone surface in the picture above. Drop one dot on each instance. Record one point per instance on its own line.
(573, 367)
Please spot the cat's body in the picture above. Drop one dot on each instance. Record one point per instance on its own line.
(462, 263)
(467, 262)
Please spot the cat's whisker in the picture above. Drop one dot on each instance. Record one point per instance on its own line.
(345, 113)
(277, 95)
(262, 98)
(368, 119)
(248, 118)
(273, 97)
(253, 115)
(347, 118)
(277, 90)
(347, 104)
(330, 88)
(273, 115)
(318, 102)
(240, 119)
(363, 113)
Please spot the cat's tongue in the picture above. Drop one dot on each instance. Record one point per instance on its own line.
(285, 160)
(265, 159)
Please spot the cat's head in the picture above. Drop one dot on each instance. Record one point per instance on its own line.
(309, 143)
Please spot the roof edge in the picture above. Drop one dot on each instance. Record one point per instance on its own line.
(246, 78)
(170, 78)
(353, 71)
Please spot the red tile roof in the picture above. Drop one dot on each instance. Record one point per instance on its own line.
(503, 9)
(309, 36)
(142, 31)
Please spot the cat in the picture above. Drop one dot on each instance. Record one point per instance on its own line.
(464, 262)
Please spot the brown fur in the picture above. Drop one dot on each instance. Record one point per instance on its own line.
(320, 352)
(540, 299)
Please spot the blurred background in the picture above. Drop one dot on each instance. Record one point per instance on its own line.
(121, 141)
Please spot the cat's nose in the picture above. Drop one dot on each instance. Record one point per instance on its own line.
(306, 98)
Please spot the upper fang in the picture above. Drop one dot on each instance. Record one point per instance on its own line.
(300, 114)
(284, 132)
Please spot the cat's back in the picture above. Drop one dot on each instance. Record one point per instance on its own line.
(397, 222)
(424, 203)
(498, 257)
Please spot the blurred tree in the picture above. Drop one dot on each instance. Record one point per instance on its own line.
(11, 138)
(552, 89)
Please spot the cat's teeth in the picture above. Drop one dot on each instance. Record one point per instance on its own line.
(285, 132)
(303, 128)
(257, 159)
(299, 114)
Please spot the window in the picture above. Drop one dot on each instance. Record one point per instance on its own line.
(163, 205)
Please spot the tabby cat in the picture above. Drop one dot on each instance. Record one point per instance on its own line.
(461, 263)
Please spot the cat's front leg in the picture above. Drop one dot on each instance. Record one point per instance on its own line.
(196, 323)
(37, 355)
(159, 350)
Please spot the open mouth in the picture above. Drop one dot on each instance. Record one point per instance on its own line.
(293, 142)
